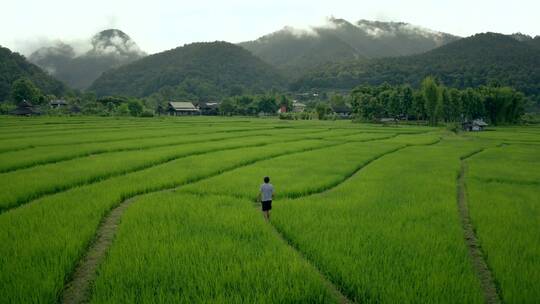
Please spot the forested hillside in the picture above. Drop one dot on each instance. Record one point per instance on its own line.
(470, 62)
(296, 51)
(201, 70)
(14, 66)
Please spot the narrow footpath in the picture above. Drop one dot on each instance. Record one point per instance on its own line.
(479, 264)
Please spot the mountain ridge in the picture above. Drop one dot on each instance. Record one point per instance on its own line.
(107, 49)
(14, 66)
(196, 68)
(291, 50)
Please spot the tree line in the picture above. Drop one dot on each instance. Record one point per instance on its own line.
(435, 102)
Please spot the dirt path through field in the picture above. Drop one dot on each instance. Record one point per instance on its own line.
(331, 287)
(477, 258)
(77, 290)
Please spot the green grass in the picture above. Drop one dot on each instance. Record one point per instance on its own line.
(504, 203)
(181, 248)
(48, 236)
(372, 207)
(391, 233)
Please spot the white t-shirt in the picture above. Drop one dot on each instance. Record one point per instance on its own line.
(266, 192)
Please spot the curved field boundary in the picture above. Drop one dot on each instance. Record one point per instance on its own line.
(95, 179)
(336, 289)
(98, 151)
(329, 187)
(30, 146)
(77, 288)
(479, 263)
(343, 299)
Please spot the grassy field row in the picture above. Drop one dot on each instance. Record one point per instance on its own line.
(504, 203)
(28, 184)
(49, 236)
(98, 137)
(113, 282)
(253, 256)
(20, 159)
(390, 234)
(31, 183)
(181, 248)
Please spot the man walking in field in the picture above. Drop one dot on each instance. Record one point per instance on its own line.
(266, 194)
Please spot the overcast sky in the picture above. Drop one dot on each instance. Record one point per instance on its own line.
(159, 25)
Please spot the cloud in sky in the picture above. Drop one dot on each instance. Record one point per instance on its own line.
(163, 24)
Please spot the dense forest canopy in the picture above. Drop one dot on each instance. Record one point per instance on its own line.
(202, 71)
(479, 60)
(14, 66)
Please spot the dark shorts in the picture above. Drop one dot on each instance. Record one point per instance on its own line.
(267, 205)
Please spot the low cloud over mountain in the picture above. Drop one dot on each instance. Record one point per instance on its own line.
(79, 64)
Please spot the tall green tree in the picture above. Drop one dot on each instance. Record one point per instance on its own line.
(267, 104)
(406, 98)
(432, 98)
(24, 89)
(322, 110)
(285, 101)
(456, 107)
(135, 107)
(446, 105)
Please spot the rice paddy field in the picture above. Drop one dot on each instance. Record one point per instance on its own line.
(164, 210)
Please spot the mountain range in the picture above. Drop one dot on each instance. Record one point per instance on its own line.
(296, 51)
(337, 56)
(482, 59)
(107, 49)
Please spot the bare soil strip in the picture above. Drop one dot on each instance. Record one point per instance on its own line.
(475, 251)
(78, 289)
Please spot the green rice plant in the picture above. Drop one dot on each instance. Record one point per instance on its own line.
(297, 174)
(19, 187)
(42, 241)
(101, 137)
(10, 161)
(391, 233)
(181, 248)
(503, 186)
(508, 137)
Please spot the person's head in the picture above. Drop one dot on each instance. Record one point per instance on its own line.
(266, 179)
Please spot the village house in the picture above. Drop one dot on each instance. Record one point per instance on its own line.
(58, 103)
(182, 108)
(343, 111)
(475, 125)
(25, 108)
(298, 107)
(209, 108)
(388, 120)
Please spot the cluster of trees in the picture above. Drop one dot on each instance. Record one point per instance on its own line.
(253, 104)
(24, 89)
(434, 102)
(480, 60)
(113, 106)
